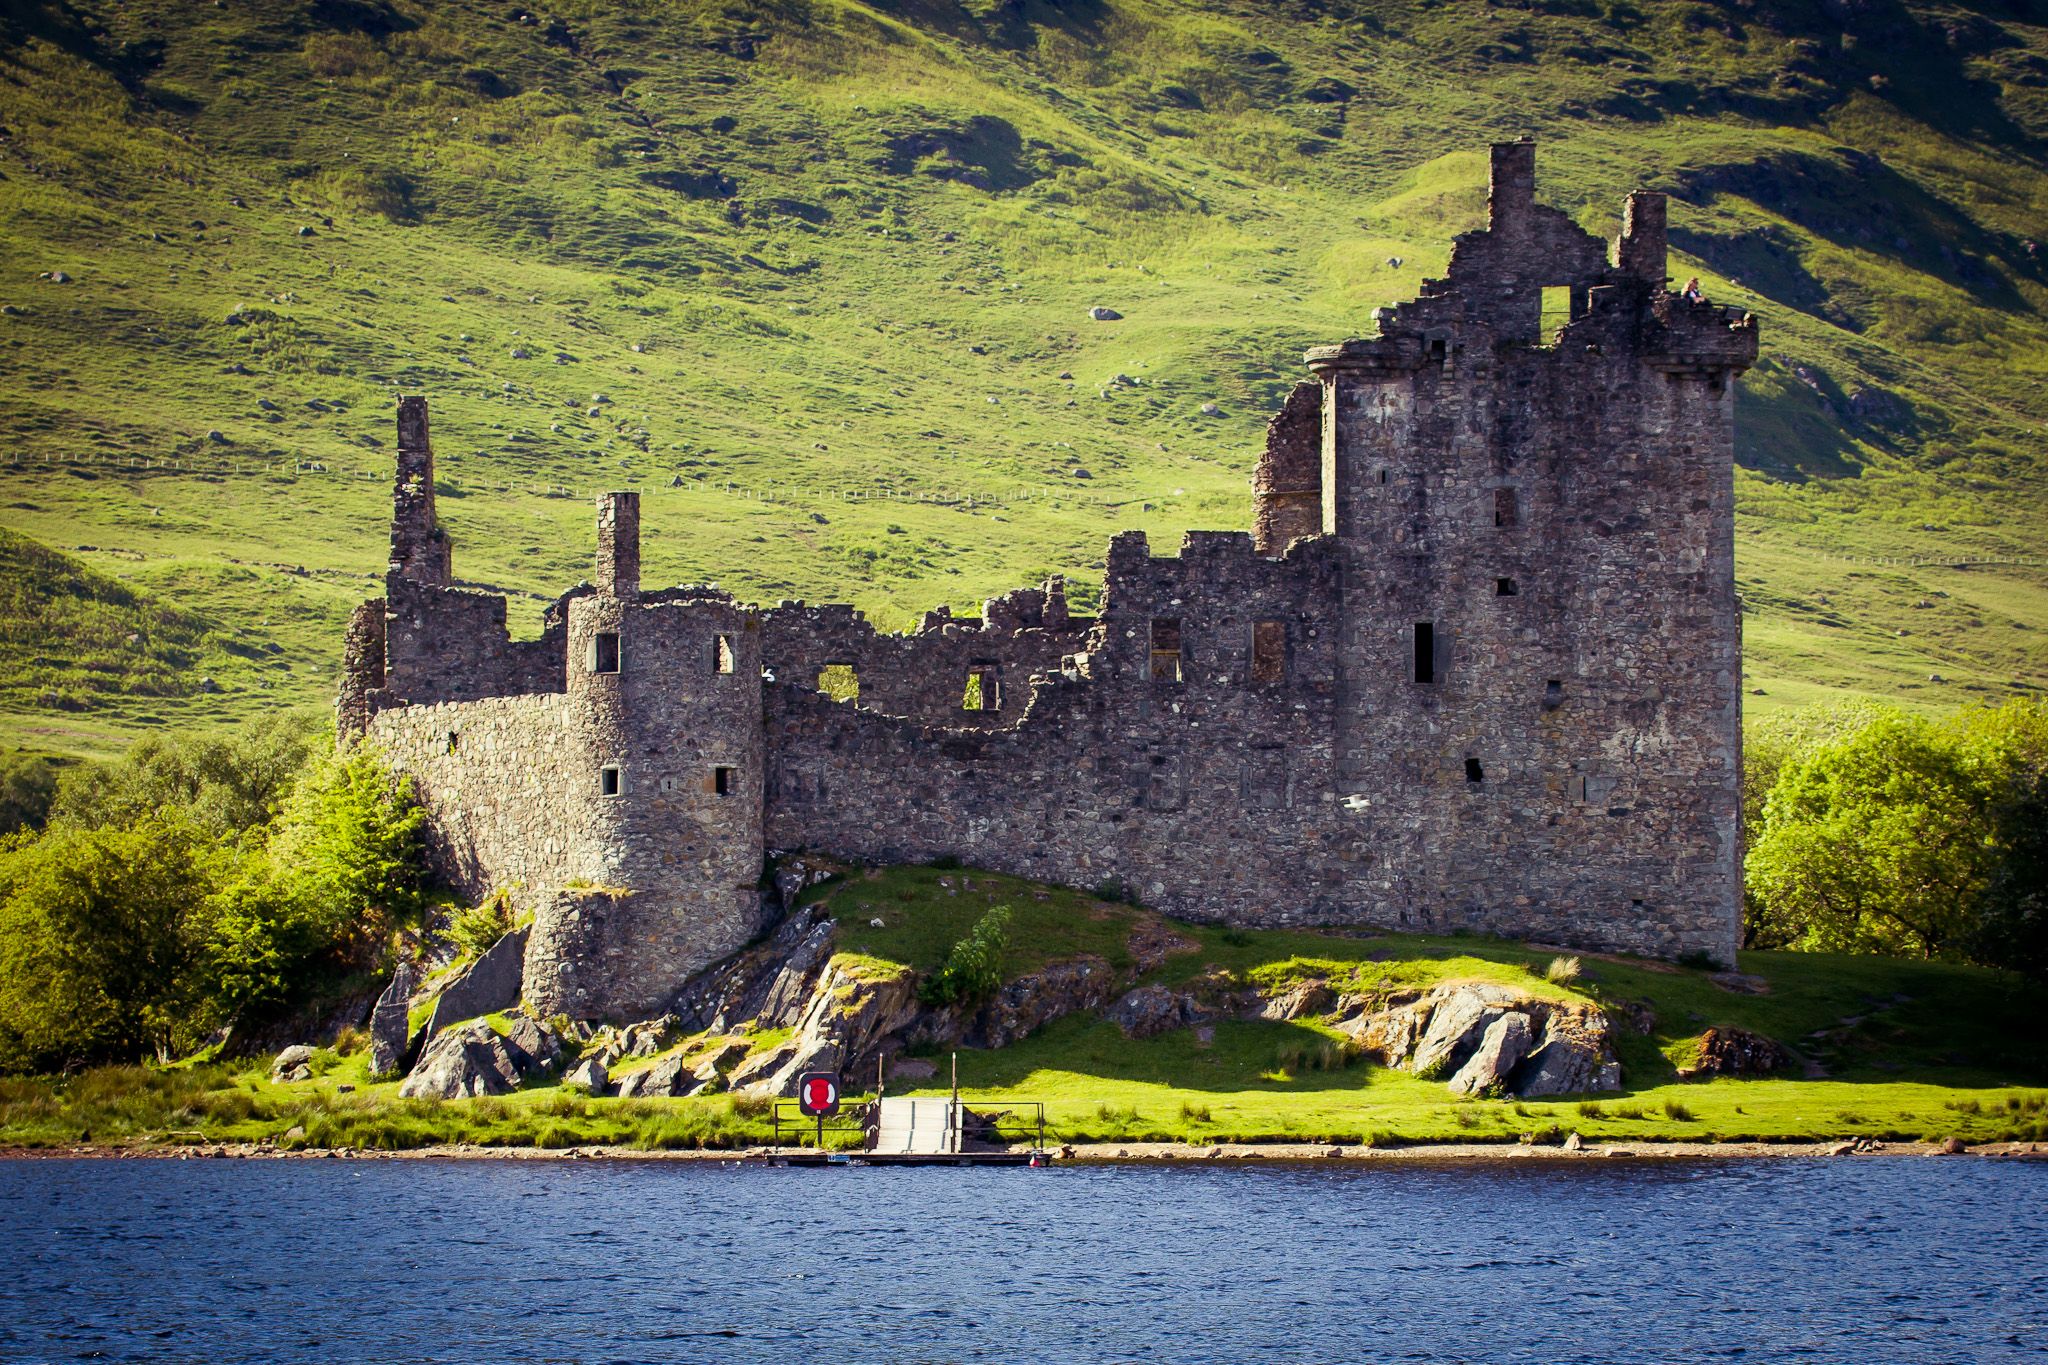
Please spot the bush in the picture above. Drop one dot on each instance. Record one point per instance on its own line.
(475, 928)
(1562, 970)
(973, 971)
(1677, 1112)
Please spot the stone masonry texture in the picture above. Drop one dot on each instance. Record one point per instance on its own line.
(1476, 668)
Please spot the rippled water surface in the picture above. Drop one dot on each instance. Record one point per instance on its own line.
(389, 1261)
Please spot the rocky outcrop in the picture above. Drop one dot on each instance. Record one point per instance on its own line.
(615, 1043)
(390, 1024)
(1736, 1052)
(667, 1077)
(740, 988)
(844, 1025)
(471, 1058)
(1022, 1007)
(487, 985)
(1488, 1038)
(589, 1074)
(1150, 1011)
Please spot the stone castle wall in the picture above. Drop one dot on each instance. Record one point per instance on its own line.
(1476, 668)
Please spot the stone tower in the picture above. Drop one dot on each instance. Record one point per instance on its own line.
(1529, 476)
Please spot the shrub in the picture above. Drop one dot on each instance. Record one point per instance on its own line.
(475, 928)
(1562, 970)
(973, 971)
(1677, 1112)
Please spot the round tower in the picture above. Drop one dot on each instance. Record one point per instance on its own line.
(662, 810)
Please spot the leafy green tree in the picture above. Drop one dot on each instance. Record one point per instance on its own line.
(1876, 842)
(226, 782)
(96, 941)
(341, 867)
(28, 786)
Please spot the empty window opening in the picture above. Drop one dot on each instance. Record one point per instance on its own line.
(608, 780)
(1505, 511)
(1557, 308)
(1473, 772)
(1383, 476)
(984, 692)
(1425, 651)
(841, 682)
(454, 740)
(1269, 651)
(604, 652)
(1439, 350)
(1505, 587)
(723, 659)
(721, 781)
(1166, 649)
(1553, 695)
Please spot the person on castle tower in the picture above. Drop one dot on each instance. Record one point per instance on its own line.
(1692, 291)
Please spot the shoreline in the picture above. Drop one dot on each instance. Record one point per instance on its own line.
(1094, 1154)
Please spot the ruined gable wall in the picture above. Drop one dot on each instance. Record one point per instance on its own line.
(1206, 796)
(451, 644)
(922, 675)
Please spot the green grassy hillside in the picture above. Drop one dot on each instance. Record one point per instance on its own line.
(810, 273)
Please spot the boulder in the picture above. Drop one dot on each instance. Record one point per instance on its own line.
(1501, 1049)
(1152, 1010)
(390, 1024)
(589, 1074)
(1457, 1021)
(1739, 1052)
(465, 1060)
(535, 1046)
(1566, 1064)
(490, 983)
(296, 1058)
(1101, 314)
(668, 1077)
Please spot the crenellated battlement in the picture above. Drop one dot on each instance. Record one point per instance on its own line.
(1474, 667)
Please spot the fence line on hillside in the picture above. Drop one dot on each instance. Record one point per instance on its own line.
(290, 470)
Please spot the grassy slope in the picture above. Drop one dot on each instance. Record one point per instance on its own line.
(815, 249)
(1909, 1050)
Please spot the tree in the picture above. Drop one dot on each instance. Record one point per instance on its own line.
(96, 939)
(1876, 842)
(226, 782)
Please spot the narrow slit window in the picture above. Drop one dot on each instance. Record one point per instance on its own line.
(608, 780)
(454, 740)
(1425, 651)
(841, 682)
(1505, 511)
(1166, 662)
(1383, 476)
(1553, 695)
(721, 781)
(723, 659)
(984, 691)
(1505, 587)
(604, 652)
(1269, 651)
(1473, 771)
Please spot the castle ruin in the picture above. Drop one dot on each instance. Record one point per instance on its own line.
(1476, 667)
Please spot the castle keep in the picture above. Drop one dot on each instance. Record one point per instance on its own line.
(1475, 667)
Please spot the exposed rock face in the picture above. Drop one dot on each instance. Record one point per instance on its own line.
(1738, 1052)
(1150, 1011)
(1501, 1049)
(740, 988)
(1031, 1002)
(490, 983)
(843, 1027)
(468, 1059)
(1468, 1031)
(390, 1030)
(472, 1059)
(1297, 1002)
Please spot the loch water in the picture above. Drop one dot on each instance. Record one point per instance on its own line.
(1900, 1259)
